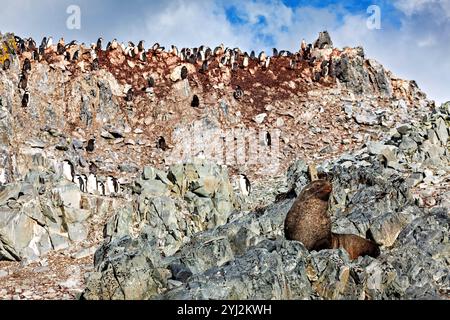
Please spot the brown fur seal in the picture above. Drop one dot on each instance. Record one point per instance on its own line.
(354, 245)
(308, 222)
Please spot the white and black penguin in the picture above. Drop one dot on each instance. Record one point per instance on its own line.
(84, 179)
(252, 55)
(90, 145)
(67, 56)
(238, 93)
(141, 46)
(184, 72)
(245, 60)
(204, 68)
(68, 170)
(60, 49)
(244, 185)
(162, 144)
(143, 56)
(275, 52)
(23, 82)
(112, 185)
(195, 102)
(129, 96)
(26, 65)
(49, 43)
(79, 180)
(98, 46)
(76, 55)
(26, 99)
(91, 187)
(101, 188)
(268, 139)
(267, 63)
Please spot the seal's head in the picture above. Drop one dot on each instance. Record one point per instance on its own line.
(319, 189)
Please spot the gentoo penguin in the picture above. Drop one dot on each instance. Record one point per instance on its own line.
(141, 46)
(43, 42)
(184, 72)
(31, 44)
(262, 57)
(98, 47)
(76, 55)
(79, 180)
(267, 63)
(67, 56)
(245, 61)
(6, 64)
(129, 96)
(68, 170)
(49, 42)
(155, 47)
(23, 82)
(275, 52)
(71, 44)
(195, 101)
(112, 185)
(114, 44)
(91, 145)
(26, 65)
(101, 188)
(174, 50)
(162, 144)
(143, 56)
(204, 68)
(268, 139)
(252, 55)
(238, 93)
(35, 55)
(84, 179)
(26, 99)
(303, 45)
(244, 185)
(60, 49)
(91, 187)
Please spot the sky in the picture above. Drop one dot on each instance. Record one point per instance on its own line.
(412, 38)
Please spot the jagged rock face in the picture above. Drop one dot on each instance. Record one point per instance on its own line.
(174, 227)
(248, 257)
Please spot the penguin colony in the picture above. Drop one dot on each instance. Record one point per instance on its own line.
(104, 186)
(201, 57)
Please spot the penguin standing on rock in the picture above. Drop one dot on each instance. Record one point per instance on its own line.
(184, 72)
(162, 144)
(23, 82)
(98, 47)
(26, 99)
(26, 65)
(129, 96)
(238, 93)
(195, 101)
(244, 185)
(91, 145)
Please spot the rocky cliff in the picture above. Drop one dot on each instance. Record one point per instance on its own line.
(107, 155)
